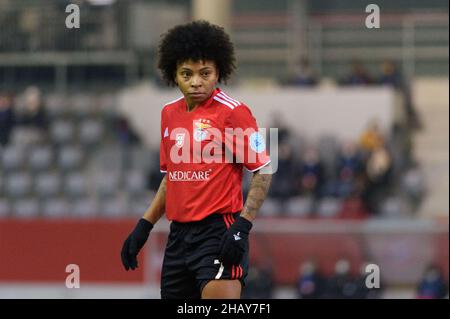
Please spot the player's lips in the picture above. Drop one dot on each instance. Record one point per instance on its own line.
(197, 95)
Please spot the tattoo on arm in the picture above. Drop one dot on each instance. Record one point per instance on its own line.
(259, 187)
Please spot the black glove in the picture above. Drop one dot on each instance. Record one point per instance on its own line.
(235, 242)
(134, 243)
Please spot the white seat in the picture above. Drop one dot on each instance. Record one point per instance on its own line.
(40, 158)
(84, 208)
(299, 206)
(18, 185)
(13, 158)
(329, 207)
(62, 132)
(47, 184)
(70, 157)
(75, 185)
(55, 208)
(26, 208)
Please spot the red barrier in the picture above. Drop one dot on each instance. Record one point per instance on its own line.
(40, 250)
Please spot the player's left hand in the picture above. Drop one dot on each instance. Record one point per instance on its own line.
(235, 242)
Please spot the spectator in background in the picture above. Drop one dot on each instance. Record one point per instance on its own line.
(349, 169)
(372, 137)
(32, 117)
(125, 133)
(284, 133)
(260, 282)
(378, 172)
(7, 118)
(305, 76)
(311, 173)
(358, 76)
(341, 284)
(127, 138)
(432, 285)
(390, 75)
(353, 207)
(283, 183)
(310, 284)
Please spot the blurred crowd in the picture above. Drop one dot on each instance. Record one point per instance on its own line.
(342, 283)
(374, 175)
(358, 75)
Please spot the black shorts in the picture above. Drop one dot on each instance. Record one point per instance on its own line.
(191, 257)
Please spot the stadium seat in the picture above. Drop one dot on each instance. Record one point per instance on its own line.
(91, 132)
(299, 206)
(55, 207)
(106, 184)
(47, 184)
(115, 207)
(108, 158)
(84, 208)
(26, 208)
(395, 207)
(55, 105)
(62, 132)
(40, 158)
(135, 182)
(139, 205)
(75, 185)
(13, 158)
(18, 185)
(328, 207)
(82, 105)
(270, 207)
(142, 159)
(5, 207)
(70, 157)
(413, 183)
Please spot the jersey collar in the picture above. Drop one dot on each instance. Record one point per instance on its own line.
(206, 102)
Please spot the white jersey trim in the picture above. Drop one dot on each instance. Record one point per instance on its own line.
(224, 102)
(228, 98)
(257, 169)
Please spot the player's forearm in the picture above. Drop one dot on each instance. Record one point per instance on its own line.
(158, 205)
(259, 187)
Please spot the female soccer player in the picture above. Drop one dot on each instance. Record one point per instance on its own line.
(207, 138)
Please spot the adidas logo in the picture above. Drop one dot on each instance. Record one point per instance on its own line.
(236, 236)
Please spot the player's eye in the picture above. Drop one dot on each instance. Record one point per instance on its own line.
(185, 74)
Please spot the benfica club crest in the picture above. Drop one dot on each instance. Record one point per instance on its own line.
(200, 129)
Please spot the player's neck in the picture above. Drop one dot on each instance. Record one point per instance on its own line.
(191, 106)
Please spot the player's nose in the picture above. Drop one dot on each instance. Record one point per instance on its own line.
(196, 81)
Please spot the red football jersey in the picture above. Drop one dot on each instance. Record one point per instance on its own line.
(203, 153)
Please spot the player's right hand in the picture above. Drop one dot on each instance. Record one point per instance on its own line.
(134, 243)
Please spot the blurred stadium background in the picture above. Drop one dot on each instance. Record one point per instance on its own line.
(362, 114)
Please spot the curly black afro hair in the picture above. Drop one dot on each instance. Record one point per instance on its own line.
(198, 40)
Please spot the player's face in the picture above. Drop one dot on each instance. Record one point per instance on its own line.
(196, 80)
